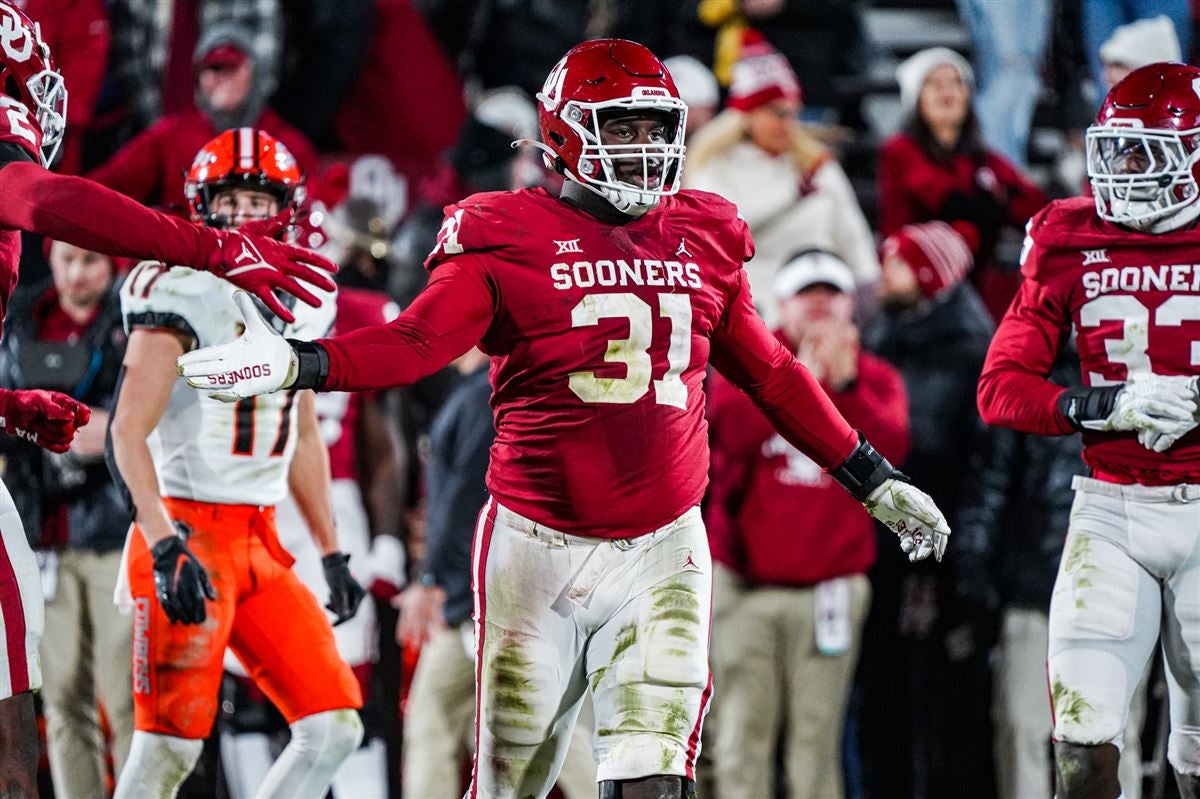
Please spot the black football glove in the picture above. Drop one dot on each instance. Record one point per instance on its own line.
(344, 591)
(180, 581)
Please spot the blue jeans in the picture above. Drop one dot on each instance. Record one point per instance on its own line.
(1009, 41)
(1102, 17)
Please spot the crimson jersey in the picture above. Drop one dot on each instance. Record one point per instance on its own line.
(16, 128)
(599, 335)
(1133, 301)
(338, 410)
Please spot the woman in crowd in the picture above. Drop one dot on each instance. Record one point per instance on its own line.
(939, 168)
(785, 182)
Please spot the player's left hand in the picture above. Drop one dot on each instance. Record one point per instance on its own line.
(252, 258)
(258, 362)
(345, 593)
(911, 514)
(1169, 431)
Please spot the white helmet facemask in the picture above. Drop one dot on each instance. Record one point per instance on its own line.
(1142, 177)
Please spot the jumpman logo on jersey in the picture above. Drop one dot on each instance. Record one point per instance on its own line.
(571, 245)
(683, 250)
(690, 561)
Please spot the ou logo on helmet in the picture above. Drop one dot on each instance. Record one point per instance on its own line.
(551, 93)
(14, 37)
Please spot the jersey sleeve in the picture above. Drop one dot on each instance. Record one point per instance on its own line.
(157, 296)
(469, 226)
(446, 319)
(746, 353)
(1013, 388)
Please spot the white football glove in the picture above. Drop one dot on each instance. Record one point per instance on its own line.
(911, 514)
(1154, 405)
(259, 362)
(1165, 432)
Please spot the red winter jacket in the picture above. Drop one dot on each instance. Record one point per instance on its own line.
(152, 166)
(987, 191)
(773, 515)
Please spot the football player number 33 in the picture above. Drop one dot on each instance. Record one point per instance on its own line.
(1131, 349)
(634, 351)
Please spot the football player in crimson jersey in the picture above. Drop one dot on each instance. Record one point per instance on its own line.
(204, 564)
(1123, 275)
(601, 309)
(32, 117)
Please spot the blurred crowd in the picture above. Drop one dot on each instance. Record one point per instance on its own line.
(886, 182)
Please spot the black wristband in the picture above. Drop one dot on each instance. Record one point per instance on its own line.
(312, 365)
(334, 560)
(863, 471)
(1081, 405)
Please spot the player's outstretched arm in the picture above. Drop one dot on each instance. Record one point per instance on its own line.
(444, 321)
(308, 480)
(746, 353)
(91, 216)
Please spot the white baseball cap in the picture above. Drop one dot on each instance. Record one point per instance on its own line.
(809, 268)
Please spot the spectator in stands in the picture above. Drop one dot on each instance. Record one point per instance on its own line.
(697, 87)
(435, 613)
(939, 167)
(822, 42)
(786, 184)
(67, 336)
(789, 601)
(924, 718)
(154, 40)
(1101, 18)
(1008, 49)
(1137, 44)
(1008, 542)
(230, 91)
(77, 32)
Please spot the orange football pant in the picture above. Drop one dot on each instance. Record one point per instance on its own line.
(262, 612)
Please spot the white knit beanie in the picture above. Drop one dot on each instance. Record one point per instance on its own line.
(1145, 41)
(911, 72)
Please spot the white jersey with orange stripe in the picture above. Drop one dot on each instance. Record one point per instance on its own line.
(208, 450)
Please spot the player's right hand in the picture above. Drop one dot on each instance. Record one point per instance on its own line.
(253, 259)
(258, 362)
(1151, 404)
(180, 581)
(46, 418)
(1163, 435)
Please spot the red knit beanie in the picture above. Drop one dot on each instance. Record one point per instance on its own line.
(761, 75)
(940, 254)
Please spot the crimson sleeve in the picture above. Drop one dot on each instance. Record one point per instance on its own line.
(746, 353)
(895, 207)
(86, 214)
(1013, 389)
(445, 320)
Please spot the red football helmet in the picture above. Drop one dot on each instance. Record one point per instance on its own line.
(1143, 151)
(242, 158)
(591, 83)
(28, 78)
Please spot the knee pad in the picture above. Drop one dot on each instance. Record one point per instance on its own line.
(327, 737)
(1183, 750)
(157, 765)
(668, 787)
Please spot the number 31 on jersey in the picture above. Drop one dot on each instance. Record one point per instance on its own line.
(634, 351)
